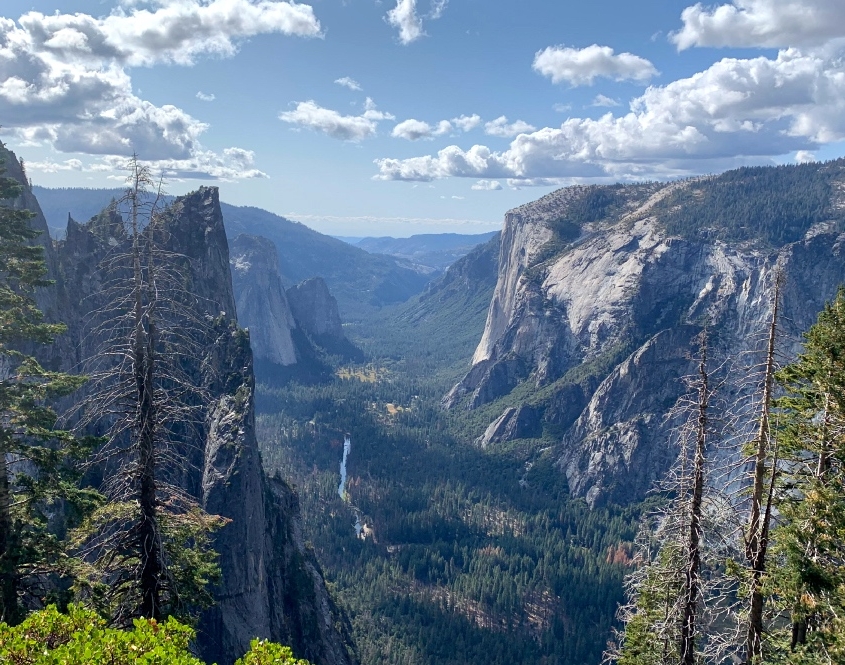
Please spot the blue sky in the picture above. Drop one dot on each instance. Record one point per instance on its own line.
(394, 117)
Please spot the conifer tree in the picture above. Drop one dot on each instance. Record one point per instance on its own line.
(37, 470)
(810, 539)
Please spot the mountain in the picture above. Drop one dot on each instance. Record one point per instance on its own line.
(272, 586)
(430, 251)
(362, 282)
(601, 289)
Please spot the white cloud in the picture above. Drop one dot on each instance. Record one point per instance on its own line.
(458, 198)
(736, 111)
(562, 108)
(64, 80)
(467, 123)
(804, 157)
(602, 100)
(203, 97)
(762, 23)
(414, 130)
(437, 8)
(49, 166)
(344, 127)
(583, 66)
(519, 183)
(500, 127)
(232, 164)
(404, 17)
(487, 186)
(350, 83)
(175, 32)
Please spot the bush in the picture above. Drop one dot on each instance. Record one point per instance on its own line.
(81, 637)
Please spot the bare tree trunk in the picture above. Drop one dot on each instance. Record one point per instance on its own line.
(148, 532)
(756, 542)
(693, 570)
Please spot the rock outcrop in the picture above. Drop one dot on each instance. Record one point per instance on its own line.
(599, 317)
(315, 309)
(261, 301)
(272, 587)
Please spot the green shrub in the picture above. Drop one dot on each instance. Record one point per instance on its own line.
(81, 637)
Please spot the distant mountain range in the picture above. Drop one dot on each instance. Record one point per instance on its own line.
(363, 277)
(428, 251)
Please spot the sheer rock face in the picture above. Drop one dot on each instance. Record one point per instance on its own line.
(46, 298)
(315, 309)
(261, 301)
(261, 549)
(603, 326)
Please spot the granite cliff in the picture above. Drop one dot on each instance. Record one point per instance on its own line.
(272, 586)
(601, 289)
(285, 325)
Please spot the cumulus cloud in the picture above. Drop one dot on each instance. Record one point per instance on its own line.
(583, 66)
(487, 186)
(414, 130)
(203, 97)
(502, 128)
(762, 23)
(404, 17)
(350, 83)
(736, 111)
(331, 123)
(467, 123)
(175, 32)
(603, 100)
(64, 80)
(804, 157)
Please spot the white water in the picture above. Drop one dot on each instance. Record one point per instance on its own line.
(347, 446)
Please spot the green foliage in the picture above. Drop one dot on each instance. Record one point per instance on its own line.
(809, 583)
(268, 653)
(37, 460)
(465, 565)
(81, 637)
(773, 205)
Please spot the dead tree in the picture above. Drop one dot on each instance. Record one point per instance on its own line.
(148, 549)
(762, 494)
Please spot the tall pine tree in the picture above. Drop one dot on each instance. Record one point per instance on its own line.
(810, 539)
(37, 475)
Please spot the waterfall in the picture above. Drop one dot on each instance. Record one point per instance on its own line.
(347, 446)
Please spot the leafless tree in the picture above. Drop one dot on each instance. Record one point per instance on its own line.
(147, 549)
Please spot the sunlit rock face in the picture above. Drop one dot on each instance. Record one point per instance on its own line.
(598, 316)
(261, 301)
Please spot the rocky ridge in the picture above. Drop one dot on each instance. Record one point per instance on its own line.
(272, 586)
(284, 324)
(595, 307)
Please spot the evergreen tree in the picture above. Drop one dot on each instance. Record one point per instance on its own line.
(37, 474)
(810, 539)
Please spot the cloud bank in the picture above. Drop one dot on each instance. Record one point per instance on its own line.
(736, 111)
(64, 79)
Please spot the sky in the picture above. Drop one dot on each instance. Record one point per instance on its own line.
(396, 117)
